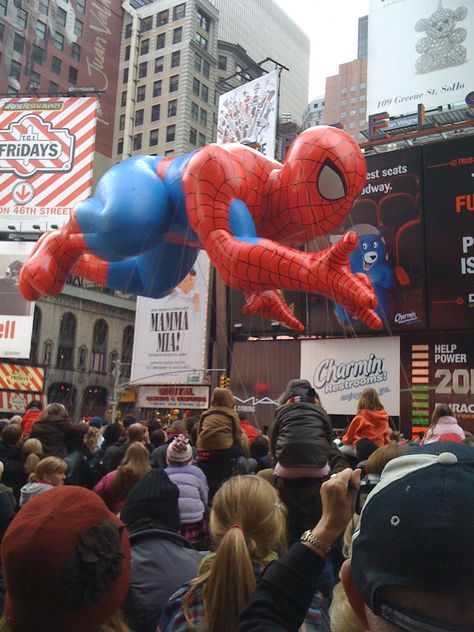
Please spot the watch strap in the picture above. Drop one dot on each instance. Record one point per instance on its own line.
(315, 541)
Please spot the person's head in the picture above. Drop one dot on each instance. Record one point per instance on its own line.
(92, 438)
(381, 456)
(152, 500)
(178, 427)
(15, 419)
(54, 413)
(152, 425)
(298, 391)
(441, 410)
(34, 405)
(369, 400)
(66, 561)
(364, 448)
(247, 524)
(128, 420)
(222, 397)
(157, 438)
(259, 447)
(112, 433)
(12, 434)
(33, 452)
(411, 558)
(51, 470)
(96, 422)
(136, 432)
(135, 464)
(3, 424)
(179, 451)
(74, 439)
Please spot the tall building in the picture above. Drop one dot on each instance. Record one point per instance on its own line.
(346, 98)
(168, 72)
(264, 30)
(314, 113)
(363, 37)
(50, 47)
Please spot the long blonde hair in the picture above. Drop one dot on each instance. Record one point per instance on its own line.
(247, 523)
(33, 449)
(49, 465)
(135, 464)
(369, 400)
(91, 440)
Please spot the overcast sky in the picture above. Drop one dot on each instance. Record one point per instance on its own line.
(332, 28)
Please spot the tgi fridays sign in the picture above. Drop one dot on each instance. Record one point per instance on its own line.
(46, 159)
(184, 397)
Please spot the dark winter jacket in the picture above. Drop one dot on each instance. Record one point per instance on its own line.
(301, 435)
(162, 561)
(52, 435)
(14, 475)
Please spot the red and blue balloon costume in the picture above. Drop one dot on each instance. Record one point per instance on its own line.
(141, 231)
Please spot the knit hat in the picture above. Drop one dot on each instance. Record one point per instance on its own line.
(96, 422)
(416, 530)
(153, 497)
(298, 391)
(66, 561)
(179, 450)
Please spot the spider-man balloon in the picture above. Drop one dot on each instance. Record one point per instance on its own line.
(150, 215)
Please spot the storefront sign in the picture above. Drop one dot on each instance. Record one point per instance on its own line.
(182, 397)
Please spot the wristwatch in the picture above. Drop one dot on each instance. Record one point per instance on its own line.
(315, 541)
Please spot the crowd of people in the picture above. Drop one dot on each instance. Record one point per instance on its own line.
(208, 525)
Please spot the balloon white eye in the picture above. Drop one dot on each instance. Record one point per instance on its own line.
(330, 183)
(375, 245)
(364, 246)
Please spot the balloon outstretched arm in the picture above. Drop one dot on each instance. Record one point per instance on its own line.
(270, 304)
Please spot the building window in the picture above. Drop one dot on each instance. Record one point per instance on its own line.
(3, 7)
(362, 97)
(2, 29)
(160, 40)
(177, 35)
(138, 117)
(222, 62)
(172, 107)
(48, 352)
(37, 54)
(153, 137)
(127, 348)
(81, 6)
(122, 122)
(206, 69)
(197, 62)
(343, 102)
(352, 113)
(175, 58)
(353, 88)
(361, 110)
(159, 64)
(201, 40)
(22, 18)
(162, 17)
(35, 335)
(204, 93)
(194, 111)
(202, 140)
(73, 74)
(137, 142)
(203, 20)
(141, 93)
(362, 86)
(353, 100)
(18, 43)
(76, 51)
(125, 75)
(59, 40)
(170, 133)
(157, 88)
(196, 86)
(174, 83)
(61, 16)
(15, 69)
(362, 123)
(146, 24)
(203, 118)
(78, 28)
(179, 11)
(99, 346)
(66, 342)
(120, 146)
(40, 30)
(127, 52)
(142, 69)
(43, 6)
(343, 90)
(155, 112)
(342, 115)
(144, 47)
(35, 80)
(123, 101)
(53, 87)
(352, 125)
(128, 30)
(192, 136)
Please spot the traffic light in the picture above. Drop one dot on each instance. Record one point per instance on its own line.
(224, 381)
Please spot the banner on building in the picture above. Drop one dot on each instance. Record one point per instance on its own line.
(46, 160)
(192, 397)
(170, 341)
(437, 369)
(16, 314)
(249, 114)
(449, 194)
(17, 377)
(16, 402)
(388, 219)
(339, 370)
(419, 52)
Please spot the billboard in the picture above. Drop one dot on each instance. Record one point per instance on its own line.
(339, 370)
(437, 369)
(18, 377)
(16, 402)
(46, 159)
(449, 195)
(249, 114)
(16, 314)
(189, 397)
(388, 219)
(170, 341)
(419, 52)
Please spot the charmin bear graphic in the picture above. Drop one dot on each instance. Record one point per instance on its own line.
(441, 48)
(370, 258)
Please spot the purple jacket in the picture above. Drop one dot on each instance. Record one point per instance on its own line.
(193, 491)
(445, 425)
